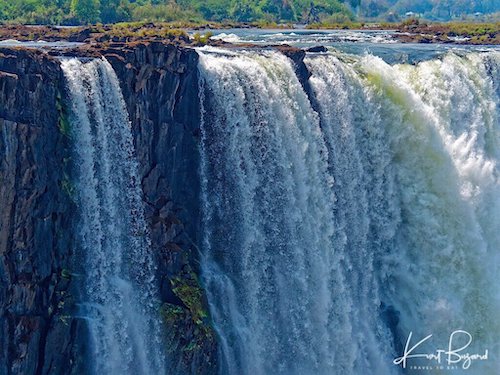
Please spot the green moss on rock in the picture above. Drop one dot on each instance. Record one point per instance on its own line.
(171, 313)
(188, 289)
(64, 126)
(182, 335)
(68, 187)
(189, 334)
(65, 274)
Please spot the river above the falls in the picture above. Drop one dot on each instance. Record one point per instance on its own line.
(381, 43)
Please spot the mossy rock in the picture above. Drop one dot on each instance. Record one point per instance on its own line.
(66, 274)
(188, 289)
(182, 339)
(64, 125)
(67, 187)
(189, 333)
(171, 313)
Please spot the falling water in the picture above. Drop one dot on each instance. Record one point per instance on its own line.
(119, 297)
(329, 235)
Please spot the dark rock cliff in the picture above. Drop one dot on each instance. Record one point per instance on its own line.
(39, 333)
(35, 217)
(160, 86)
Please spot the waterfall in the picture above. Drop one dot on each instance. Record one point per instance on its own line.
(330, 234)
(119, 297)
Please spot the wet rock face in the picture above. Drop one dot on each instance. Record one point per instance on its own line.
(38, 334)
(160, 86)
(35, 217)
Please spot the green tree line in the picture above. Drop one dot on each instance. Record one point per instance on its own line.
(74, 12)
(429, 9)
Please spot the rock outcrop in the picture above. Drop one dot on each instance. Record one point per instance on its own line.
(160, 85)
(35, 217)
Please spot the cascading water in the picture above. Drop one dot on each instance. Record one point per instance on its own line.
(329, 236)
(119, 289)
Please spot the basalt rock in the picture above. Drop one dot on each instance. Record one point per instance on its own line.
(39, 333)
(160, 86)
(297, 55)
(35, 218)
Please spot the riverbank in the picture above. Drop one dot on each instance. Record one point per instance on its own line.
(412, 31)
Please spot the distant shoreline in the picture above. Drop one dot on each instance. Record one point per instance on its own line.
(411, 31)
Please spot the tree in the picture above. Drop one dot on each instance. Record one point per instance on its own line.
(287, 12)
(86, 11)
(355, 3)
(214, 10)
(114, 11)
(244, 11)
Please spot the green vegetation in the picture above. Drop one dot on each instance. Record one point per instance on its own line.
(63, 116)
(188, 289)
(261, 12)
(85, 10)
(65, 274)
(171, 313)
(67, 187)
(193, 313)
(78, 12)
(443, 10)
(139, 29)
(473, 29)
(139, 20)
(176, 319)
(202, 39)
(64, 309)
(64, 124)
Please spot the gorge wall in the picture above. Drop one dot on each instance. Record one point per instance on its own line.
(35, 225)
(40, 330)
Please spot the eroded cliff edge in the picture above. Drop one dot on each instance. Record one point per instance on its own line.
(40, 332)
